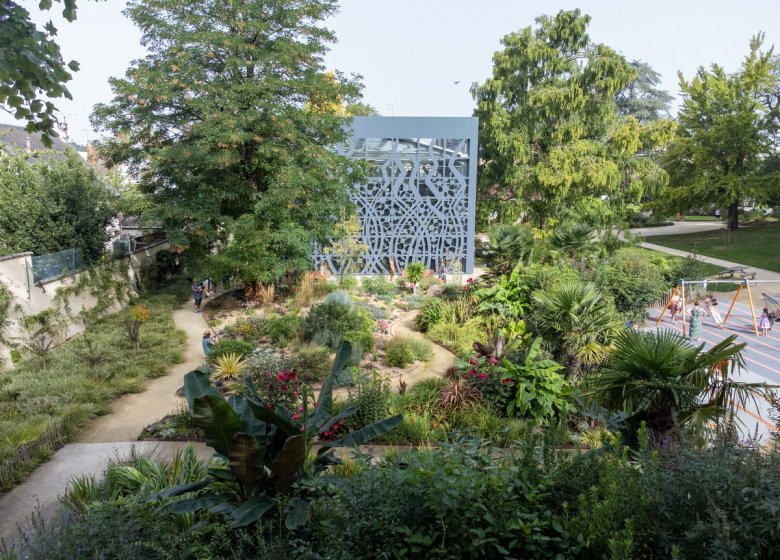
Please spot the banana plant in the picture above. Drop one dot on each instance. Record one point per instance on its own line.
(265, 452)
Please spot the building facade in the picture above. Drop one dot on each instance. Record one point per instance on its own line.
(418, 201)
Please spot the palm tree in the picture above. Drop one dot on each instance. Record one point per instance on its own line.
(508, 245)
(578, 321)
(574, 240)
(662, 380)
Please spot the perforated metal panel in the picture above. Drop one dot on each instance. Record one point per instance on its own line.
(418, 201)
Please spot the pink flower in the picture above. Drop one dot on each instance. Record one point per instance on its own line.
(281, 377)
(303, 428)
(282, 387)
(482, 375)
(506, 381)
(315, 403)
(473, 361)
(492, 360)
(465, 376)
(469, 281)
(472, 372)
(296, 416)
(291, 375)
(300, 408)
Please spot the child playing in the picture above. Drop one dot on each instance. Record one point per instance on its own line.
(764, 323)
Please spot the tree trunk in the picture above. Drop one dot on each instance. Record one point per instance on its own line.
(733, 219)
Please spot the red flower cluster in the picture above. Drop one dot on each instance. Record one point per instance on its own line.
(334, 432)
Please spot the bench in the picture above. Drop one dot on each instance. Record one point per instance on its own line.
(748, 275)
(731, 271)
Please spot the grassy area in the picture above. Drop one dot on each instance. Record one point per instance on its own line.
(79, 383)
(700, 219)
(753, 245)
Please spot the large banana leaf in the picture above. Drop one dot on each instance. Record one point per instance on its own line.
(368, 433)
(197, 384)
(324, 409)
(289, 461)
(246, 461)
(218, 421)
(195, 504)
(251, 510)
(253, 425)
(349, 411)
(273, 418)
(179, 489)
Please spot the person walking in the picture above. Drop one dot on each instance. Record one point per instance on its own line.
(764, 324)
(443, 269)
(715, 314)
(197, 295)
(696, 314)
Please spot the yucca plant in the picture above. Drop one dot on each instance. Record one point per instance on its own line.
(266, 452)
(228, 366)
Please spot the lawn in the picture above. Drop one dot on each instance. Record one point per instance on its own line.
(700, 219)
(753, 245)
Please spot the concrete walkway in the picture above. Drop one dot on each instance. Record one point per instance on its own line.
(109, 435)
(677, 228)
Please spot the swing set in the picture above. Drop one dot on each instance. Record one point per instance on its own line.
(679, 289)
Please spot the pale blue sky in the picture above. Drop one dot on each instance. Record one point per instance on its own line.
(410, 52)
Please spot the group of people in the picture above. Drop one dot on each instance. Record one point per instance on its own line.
(710, 307)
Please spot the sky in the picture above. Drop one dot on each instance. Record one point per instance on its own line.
(420, 57)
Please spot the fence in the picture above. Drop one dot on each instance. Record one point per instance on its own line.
(55, 265)
(51, 439)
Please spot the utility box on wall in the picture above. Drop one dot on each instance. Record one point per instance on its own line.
(418, 202)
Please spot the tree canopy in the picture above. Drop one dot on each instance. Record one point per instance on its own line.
(641, 98)
(52, 204)
(552, 142)
(726, 136)
(227, 123)
(31, 67)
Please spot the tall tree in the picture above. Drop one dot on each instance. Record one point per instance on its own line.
(551, 141)
(228, 120)
(642, 99)
(31, 67)
(726, 134)
(52, 204)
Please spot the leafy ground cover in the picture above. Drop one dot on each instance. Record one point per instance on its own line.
(752, 245)
(81, 378)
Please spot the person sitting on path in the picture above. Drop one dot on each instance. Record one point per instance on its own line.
(208, 342)
(695, 329)
(764, 324)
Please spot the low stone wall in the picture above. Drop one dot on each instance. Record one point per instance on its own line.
(30, 298)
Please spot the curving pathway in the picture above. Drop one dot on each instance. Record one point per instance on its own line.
(108, 436)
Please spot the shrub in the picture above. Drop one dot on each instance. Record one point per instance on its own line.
(371, 394)
(335, 320)
(451, 292)
(403, 351)
(230, 346)
(430, 314)
(281, 329)
(347, 283)
(312, 362)
(378, 286)
(458, 337)
(265, 358)
(177, 426)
